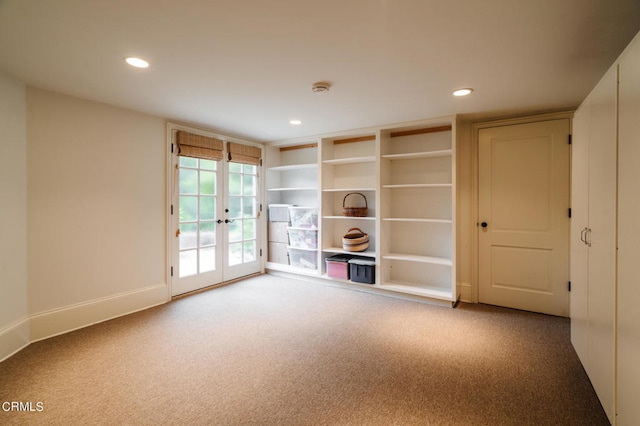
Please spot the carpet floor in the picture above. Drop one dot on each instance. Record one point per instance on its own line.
(275, 351)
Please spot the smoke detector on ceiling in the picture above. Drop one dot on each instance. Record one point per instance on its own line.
(321, 87)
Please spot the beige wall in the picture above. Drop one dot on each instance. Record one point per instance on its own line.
(13, 216)
(96, 210)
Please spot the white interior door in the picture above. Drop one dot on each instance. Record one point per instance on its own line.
(523, 214)
(215, 217)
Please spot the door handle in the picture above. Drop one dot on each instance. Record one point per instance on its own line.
(484, 224)
(583, 235)
(219, 221)
(229, 221)
(587, 237)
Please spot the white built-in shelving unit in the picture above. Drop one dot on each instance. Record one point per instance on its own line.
(349, 166)
(292, 177)
(407, 175)
(417, 197)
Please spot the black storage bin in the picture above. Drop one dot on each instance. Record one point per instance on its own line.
(362, 271)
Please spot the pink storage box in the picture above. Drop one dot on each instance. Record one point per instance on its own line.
(338, 266)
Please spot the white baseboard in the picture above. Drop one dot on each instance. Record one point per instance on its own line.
(14, 338)
(59, 321)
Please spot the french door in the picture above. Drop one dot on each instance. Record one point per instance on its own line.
(215, 222)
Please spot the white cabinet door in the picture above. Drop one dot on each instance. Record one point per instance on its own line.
(628, 367)
(602, 239)
(579, 251)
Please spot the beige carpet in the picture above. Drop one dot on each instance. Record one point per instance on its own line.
(274, 351)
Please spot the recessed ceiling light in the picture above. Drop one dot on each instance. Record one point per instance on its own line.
(295, 122)
(137, 62)
(462, 92)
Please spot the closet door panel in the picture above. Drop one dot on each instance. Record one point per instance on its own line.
(628, 367)
(602, 239)
(579, 254)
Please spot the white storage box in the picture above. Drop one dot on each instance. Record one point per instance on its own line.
(303, 237)
(279, 212)
(303, 258)
(278, 232)
(278, 253)
(304, 217)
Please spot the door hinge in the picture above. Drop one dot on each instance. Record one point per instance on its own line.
(172, 271)
(260, 206)
(171, 208)
(260, 252)
(261, 162)
(569, 211)
(569, 139)
(172, 148)
(569, 286)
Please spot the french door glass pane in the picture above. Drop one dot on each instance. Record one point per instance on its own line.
(235, 184)
(235, 231)
(207, 208)
(249, 229)
(207, 259)
(249, 251)
(235, 254)
(248, 185)
(188, 162)
(235, 207)
(188, 263)
(189, 181)
(208, 165)
(197, 214)
(207, 234)
(188, 236)
(207, 183)
(188, 208)
(249, 207)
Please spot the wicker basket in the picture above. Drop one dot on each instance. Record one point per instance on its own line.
(355, 240)
(355, 211)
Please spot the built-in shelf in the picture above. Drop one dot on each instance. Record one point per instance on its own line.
(289, 268)
(420, 185)
(294, 167)
(420, 259)
(351, 160)
(292, 189)
(339, 250)
(419, 289)
(410, 219)
(349, 217)
(348, 189)
(416, 155)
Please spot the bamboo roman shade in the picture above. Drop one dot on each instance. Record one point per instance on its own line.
(198, 146)
(245, 154)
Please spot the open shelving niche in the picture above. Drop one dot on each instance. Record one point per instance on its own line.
(348, 174)
(417, 192)
(407, 174)
(292, 177)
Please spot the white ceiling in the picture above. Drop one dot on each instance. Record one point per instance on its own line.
(246, 67)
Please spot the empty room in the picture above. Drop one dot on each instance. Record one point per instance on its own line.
(319, 212)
